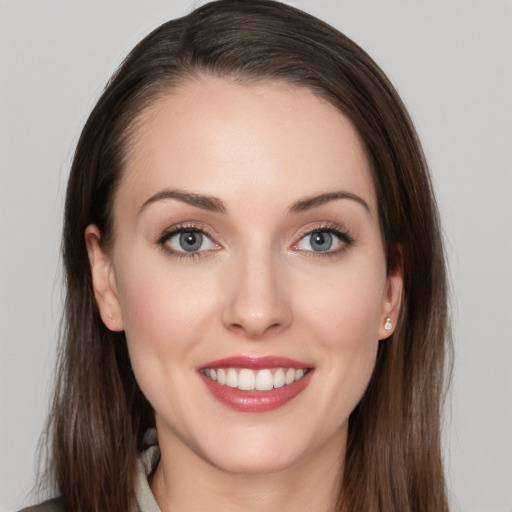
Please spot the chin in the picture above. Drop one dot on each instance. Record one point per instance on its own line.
(253, 451)
(263, 463)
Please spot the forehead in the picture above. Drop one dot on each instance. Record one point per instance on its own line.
(220, 137)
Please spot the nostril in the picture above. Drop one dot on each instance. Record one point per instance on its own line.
(255, 331)
(256, 307)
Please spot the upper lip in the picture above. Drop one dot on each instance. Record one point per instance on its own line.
(256, 363)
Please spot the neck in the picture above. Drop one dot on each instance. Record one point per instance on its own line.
(185, 482)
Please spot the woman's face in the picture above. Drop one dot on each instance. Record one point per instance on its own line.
(246, 253)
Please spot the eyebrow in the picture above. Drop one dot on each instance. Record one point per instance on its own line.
(216, 205)
(206, 202)
(315, 201)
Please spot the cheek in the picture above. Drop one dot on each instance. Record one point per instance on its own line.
(344, 319)
(347, 306)
(162, 309)
(164, 316)
(348, 336)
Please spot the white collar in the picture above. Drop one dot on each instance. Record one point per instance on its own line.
(146, 464)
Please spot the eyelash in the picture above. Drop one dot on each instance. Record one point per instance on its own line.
(163, 240)
(342, 235)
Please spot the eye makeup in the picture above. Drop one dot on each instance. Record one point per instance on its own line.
(187, 241)
(324, 240)
(190, 240)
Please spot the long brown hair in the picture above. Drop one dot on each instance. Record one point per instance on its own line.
(393, 459)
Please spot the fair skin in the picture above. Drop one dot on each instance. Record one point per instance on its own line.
(265, 273)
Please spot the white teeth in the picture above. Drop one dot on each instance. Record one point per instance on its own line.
(264, 380)
(249, 380)
(246, 380)
(232, 378)
(290, 376)
(279, 378)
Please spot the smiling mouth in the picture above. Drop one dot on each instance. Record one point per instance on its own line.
(246, 379)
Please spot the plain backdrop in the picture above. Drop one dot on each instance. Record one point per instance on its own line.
(450, 61)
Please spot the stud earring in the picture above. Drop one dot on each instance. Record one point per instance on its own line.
(388, 324)
(110, 315)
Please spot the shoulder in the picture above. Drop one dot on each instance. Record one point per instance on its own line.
(55, 505)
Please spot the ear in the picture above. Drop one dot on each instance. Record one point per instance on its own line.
(391, 302)
(103, 280)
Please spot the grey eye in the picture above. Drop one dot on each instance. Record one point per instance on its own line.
(323, 240)
(191, 241)
(320, 240)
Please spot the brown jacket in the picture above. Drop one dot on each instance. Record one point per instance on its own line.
(55, 505)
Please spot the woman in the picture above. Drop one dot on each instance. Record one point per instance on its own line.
(254, 267)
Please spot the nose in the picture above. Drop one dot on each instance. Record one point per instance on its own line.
(257, 303)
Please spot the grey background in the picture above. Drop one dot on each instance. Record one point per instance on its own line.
(450, 60)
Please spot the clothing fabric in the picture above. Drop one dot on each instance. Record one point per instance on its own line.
(55, 505)
(146, 464)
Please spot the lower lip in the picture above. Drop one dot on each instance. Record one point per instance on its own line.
(257, 401)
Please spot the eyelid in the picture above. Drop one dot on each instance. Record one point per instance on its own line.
(343, 235)
(186, 227)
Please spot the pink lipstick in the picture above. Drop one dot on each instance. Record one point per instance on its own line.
(256, 384)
